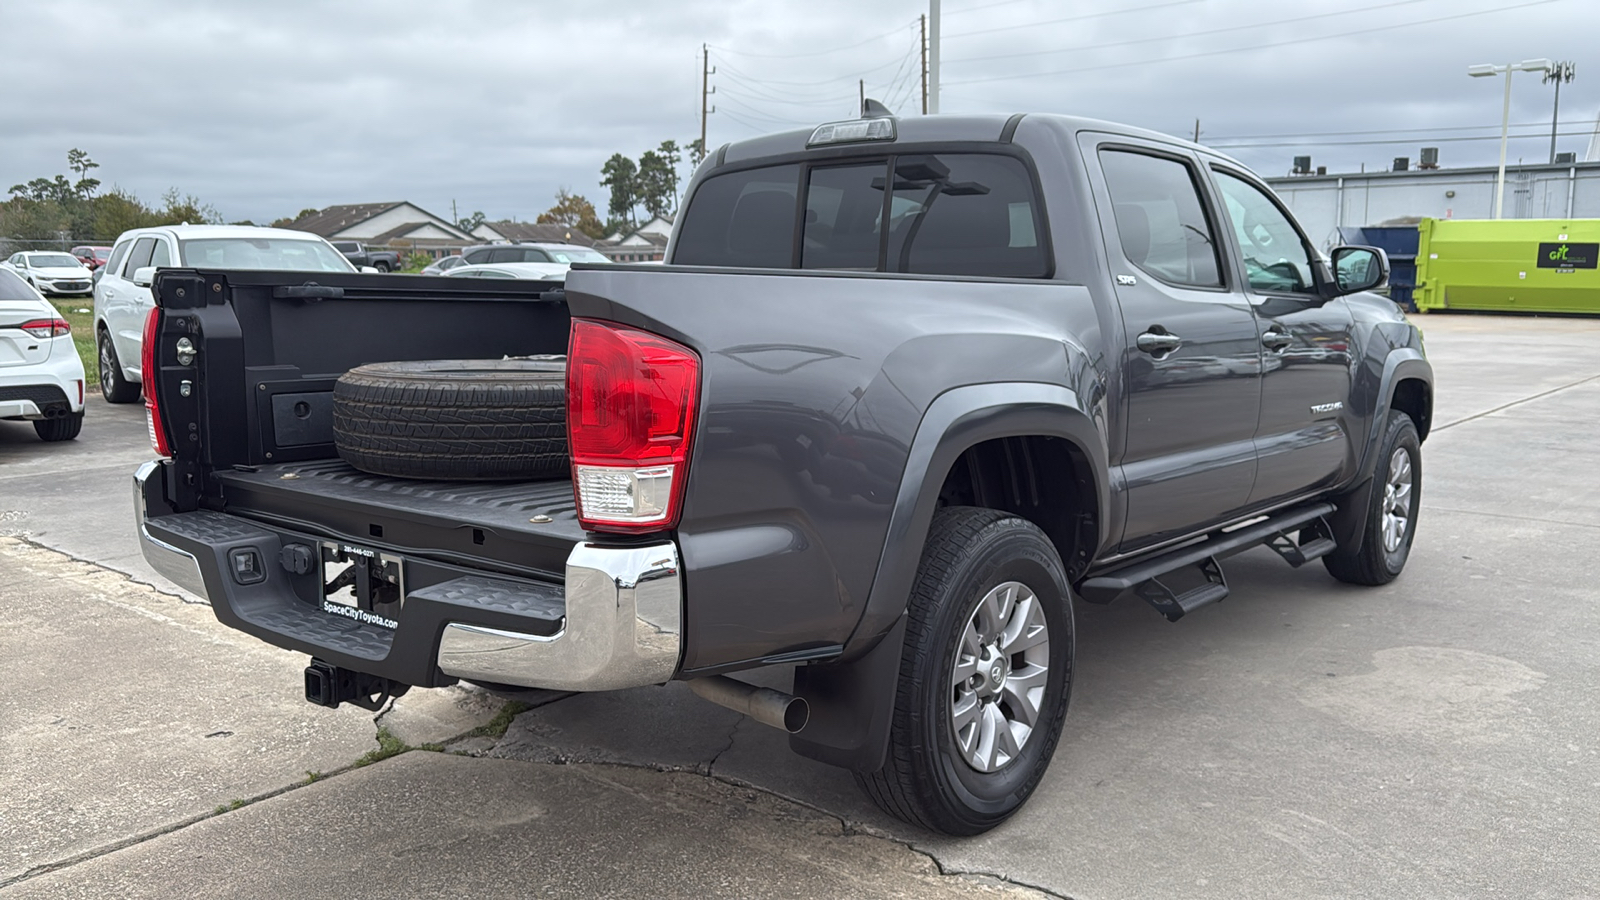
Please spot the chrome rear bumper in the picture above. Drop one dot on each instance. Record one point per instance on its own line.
(622, 625)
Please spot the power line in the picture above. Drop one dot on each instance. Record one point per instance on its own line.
(1098, 15)
(1285, 43)
(1302, 134)
(1192, 34)
(957, 12)
(854, 73)
(1409, 140)
(816, 101)
(815, 53)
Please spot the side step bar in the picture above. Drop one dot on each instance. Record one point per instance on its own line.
(1143, 577)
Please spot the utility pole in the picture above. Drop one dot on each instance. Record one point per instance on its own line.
(922, 23)
(1197, 131)
(1561, 71)
(933, 56)
(706, 71)
(862, 94)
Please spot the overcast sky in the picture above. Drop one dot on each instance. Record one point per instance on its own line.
(263, 109)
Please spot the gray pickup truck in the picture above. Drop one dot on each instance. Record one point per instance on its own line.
(360, 254)
(904, 391)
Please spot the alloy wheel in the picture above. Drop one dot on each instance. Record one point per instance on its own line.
(1397, 500)
(997, 681)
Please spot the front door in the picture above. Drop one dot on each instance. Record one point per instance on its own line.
(1191, 364)
(1302, 442)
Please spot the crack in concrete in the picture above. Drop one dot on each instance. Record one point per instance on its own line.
(37, 544)
(733, 735)
(1474, 512)
(1505, 406)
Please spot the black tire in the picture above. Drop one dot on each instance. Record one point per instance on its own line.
(457, 420)
(1374, 562)
(926, 780)
(64, 428)
(381, 266)
(113, 387)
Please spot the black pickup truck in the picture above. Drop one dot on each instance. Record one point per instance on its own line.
(903, 392)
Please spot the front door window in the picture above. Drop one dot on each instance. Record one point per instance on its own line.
(1276, 259)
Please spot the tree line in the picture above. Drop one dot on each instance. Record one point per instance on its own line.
(58, 208)
(649, 183)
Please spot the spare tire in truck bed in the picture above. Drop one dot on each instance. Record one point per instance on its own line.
(455, 419)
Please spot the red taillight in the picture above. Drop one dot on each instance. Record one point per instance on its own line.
(46, 328)
(631, 399)
(148, 375)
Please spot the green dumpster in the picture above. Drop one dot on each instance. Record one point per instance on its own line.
(1521, 265)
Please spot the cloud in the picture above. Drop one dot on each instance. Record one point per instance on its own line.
(263, 109)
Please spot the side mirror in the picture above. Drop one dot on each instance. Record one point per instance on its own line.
(370, 270)
(143, 275)
(1359, 269)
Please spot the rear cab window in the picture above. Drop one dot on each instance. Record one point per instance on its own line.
(959, 213)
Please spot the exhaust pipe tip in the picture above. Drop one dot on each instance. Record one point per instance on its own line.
(765, 705)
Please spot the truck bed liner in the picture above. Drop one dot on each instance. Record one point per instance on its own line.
(528, 526)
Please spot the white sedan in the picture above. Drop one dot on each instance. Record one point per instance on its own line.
(527, 270)
(52, 273)
(41, 376)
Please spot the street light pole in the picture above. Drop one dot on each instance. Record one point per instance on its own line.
(1484, 71)
(1505, 127)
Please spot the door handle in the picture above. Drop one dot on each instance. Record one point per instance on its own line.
(1156, 343)
(1276, 340)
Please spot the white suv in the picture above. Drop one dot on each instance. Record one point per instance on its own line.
(122, 299)
(41, 376)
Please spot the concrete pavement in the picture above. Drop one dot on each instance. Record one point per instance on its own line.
(1431, 738)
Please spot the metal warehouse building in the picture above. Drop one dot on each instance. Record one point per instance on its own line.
(1324, 203)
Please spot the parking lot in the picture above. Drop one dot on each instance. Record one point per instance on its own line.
(1304, 738)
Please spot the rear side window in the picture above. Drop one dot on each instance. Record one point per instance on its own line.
(1160, 221)
(160, 256)
(476, 257)
(140, 257)
(741, 219)
(941, 214)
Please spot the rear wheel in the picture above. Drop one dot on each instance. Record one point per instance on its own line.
(985, 675)
(1392, 507)
(381, 266)
(114, 387)
(63, 428)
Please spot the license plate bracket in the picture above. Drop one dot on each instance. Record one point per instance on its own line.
(362, 585)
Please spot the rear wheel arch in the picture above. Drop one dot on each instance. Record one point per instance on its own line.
(1045, 479)
(852, 698)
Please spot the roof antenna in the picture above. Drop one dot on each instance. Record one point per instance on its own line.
(872, 109)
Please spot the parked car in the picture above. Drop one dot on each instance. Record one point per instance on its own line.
(122, 299)
(41, 374)
(51, 272)
(360, 254)
(91, 257)
(1032, 370)
(536, 271)
(444, 264)
(564, 254)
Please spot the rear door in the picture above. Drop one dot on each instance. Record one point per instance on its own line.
(1302, 440)
(1191, 367)
(125, 301)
